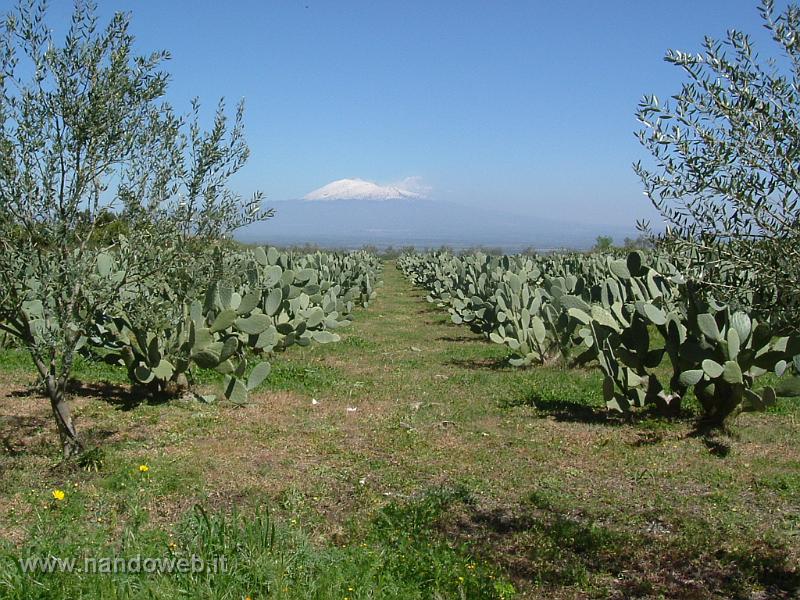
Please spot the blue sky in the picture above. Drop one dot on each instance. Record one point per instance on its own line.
(523, 106)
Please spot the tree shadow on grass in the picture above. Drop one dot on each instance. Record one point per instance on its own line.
(538, 548)
(94, 436)
(575, 411)
(567, 411)
(15, 429)
(475, 364)
(34, 434)
(549, 548)
(718, 444)
(123, 397)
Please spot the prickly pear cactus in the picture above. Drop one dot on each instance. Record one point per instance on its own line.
(631, 316)
(259, 302)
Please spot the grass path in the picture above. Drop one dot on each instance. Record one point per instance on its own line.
(537, 481)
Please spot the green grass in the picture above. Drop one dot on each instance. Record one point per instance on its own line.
(406, 461)
(397, 558)
(300, 378)
(18, 361)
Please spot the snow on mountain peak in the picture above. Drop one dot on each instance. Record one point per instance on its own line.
(360, 189)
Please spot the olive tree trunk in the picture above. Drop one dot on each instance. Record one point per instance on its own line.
(70, 444)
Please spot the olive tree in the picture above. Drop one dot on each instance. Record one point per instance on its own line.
(85, 133)
(725, 168)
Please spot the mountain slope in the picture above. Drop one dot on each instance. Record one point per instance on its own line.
(418, 222)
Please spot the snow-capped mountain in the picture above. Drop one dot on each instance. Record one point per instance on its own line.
(359, 189)
(355, 212)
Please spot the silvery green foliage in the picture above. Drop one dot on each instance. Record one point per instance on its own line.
(606, 311)
(261, 301)
(726, 165)
(533, 305)
(84, 134)
(716, 351)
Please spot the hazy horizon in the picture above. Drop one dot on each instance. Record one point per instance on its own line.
(422, 223)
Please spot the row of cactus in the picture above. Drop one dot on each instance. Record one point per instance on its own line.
(635, 318)
(260, 301)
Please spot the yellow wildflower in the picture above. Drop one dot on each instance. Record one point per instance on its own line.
(59, 494)
(144, 468)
